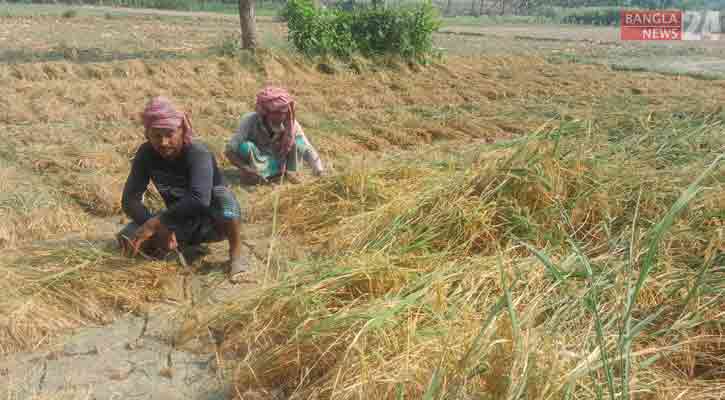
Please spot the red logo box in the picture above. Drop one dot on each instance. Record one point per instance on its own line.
(650, 25)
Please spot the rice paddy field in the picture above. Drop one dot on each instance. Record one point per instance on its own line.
(530, 217)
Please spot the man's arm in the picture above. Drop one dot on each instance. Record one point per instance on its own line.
(198, 194)
(135, 187)
(309, 155)
(240, 135)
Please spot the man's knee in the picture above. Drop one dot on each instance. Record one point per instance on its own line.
(242, 154)
(246, 147)
(226, 203)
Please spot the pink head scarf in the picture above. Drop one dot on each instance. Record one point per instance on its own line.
(274, 99)
(160, 113)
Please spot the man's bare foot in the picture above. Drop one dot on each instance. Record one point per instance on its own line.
(238, 269)
(292, 177)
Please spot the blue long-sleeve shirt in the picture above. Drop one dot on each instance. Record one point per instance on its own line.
(185, 183)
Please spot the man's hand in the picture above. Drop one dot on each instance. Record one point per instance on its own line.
(167, 238)
(234, 158)
(293, 178)
(144, 233)
(152, 227)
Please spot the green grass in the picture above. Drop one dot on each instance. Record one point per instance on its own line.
(496, 19)
(707, 76)
(71, 13)
(263, 9)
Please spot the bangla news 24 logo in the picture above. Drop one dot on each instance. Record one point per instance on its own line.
(671, 25)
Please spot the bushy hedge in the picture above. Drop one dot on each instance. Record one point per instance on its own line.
(582, 15)
(406, 31)
(593, 16)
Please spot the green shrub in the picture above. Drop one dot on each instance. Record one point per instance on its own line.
(580, 15)
(550, 12)
(69, 13)
(171, 4)
(316, 32)
(405, 32)
(592, 16)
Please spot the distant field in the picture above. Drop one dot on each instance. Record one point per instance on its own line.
(104, 34)
(573, 43)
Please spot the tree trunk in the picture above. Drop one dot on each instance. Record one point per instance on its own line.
(448, 10)
(247, 22)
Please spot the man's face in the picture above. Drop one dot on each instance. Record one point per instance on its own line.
(167, 142)
(275, 120)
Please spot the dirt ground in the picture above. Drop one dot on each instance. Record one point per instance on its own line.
(137, 354)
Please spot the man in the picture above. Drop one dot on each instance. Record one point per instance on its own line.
(270, 143)
(199, 206)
